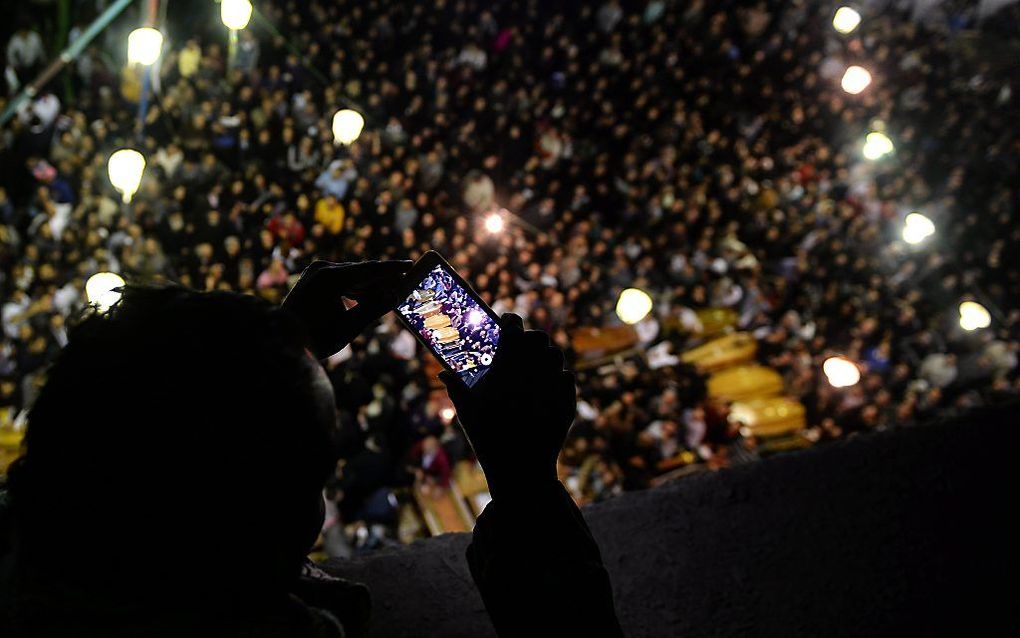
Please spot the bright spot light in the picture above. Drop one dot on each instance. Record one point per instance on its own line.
(877, 145)
(235, 14)
(99, 289)
(973, 316)
(494, 223)
(845, 20)
(125, 168)
(633, 305)
(447, 414)
(347, 125)
(841, 372)
(917, 228)
(144, 46)
(475, 317)
(855, 80)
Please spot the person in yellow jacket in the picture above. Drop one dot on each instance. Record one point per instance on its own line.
(330, 213)
(189, 59)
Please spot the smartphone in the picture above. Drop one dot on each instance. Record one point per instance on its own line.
(449, 318)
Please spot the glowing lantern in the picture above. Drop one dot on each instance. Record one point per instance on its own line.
(101, 289)
(855, 80)
(877, 145)
(125, 168)
(144, 46)
(235, 14)
(917, 228)
(841, 372)
(347, 125)
(633, 305)
(845, 20)
(973, 316)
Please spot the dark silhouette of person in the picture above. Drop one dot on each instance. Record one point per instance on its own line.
(171, 481)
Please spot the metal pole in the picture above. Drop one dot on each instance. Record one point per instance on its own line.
(72, 51)
(143, 101)
(232, 51)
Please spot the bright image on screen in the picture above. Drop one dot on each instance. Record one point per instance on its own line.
(452, 322)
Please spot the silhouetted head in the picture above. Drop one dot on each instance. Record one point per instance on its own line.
(181, 439)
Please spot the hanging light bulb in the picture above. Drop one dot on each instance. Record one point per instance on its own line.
(347, 126)
(877, 145)
(125, 168)
(101, 289)
(633, 305)
(841, 372)
(144, 46)
(855, 79)
(235, 14)
(974, 316)
(917, 228)
(845, 20)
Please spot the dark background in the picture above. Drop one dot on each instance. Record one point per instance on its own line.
(907, 533)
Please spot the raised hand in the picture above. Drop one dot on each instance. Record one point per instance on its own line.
(317, 300)
(517, 416)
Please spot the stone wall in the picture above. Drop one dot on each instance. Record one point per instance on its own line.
(908, 532)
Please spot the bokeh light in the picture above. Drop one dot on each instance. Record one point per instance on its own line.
(101, 290)
(845, 20)
(633, 305)
(855, 79)
(347, 126)
(917, 228)
(841, 372)
(144, 46)
(974, 316)
(494, 223)
(877, 145)
(125, 168)
(235, 14)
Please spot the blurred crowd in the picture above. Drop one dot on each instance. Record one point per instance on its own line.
(700, 150)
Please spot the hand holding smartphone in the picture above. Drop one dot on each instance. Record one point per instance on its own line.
(449, 318)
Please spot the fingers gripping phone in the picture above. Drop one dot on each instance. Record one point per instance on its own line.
(449, 318)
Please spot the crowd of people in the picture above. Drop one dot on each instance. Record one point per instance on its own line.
(702, 151)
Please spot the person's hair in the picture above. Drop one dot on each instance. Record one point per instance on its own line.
(176, 429)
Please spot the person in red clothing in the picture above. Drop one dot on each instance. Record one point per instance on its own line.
(432, 462)
(288, 227)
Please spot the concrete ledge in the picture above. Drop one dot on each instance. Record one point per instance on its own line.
(908, 533)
